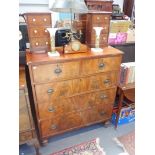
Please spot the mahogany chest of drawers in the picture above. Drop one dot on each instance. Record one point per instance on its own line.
(38, 35)
(73, 90)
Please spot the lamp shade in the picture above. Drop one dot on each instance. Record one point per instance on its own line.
(74, 6)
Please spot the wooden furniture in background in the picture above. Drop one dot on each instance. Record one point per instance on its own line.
(27, 132)
(126, 91)
(102, 5)
(73, 90)
(128, 7)
(97, 19)
(38, 35)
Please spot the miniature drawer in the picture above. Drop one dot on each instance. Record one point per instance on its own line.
(60, 124)
(103, 38)
(38, 32)
(92, 66)
(100, 19)
(34, 19)
(39, 42)
(49, 72)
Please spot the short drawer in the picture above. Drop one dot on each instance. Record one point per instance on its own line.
(59, 124)
(98, 65)
(49, 72)
(39, 42)
(38, 32)
(38, 19)
(97, 19)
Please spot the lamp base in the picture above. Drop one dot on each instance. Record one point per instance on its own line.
(96, 50)
(53, 54)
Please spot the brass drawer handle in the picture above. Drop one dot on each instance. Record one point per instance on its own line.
(102, 113)
(98, 18)
(101, 65)
(57, 70)
(103, 96)
(50, 91)
(53, 127)
(107, 81)
(51, 109)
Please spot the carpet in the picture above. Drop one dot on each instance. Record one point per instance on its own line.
(127, 142)
(91, 147)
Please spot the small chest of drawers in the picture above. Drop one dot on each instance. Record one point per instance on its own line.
(38, 35)
(73, 91)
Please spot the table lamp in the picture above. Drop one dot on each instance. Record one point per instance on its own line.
(70, 6)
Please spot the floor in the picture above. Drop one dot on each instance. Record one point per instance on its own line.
(106, 136)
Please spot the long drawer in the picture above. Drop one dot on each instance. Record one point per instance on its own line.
(59, 107)
(53, 90)
(58, 124)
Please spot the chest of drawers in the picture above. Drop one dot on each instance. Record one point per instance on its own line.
(38, 35)
(73, 90)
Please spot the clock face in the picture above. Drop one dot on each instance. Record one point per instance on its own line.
(76, 45)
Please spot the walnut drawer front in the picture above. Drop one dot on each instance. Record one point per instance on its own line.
(92, 66)
(49, 72)
(38, 32)
(97, 113)
(98, 19)
(87, 101)
(39, 42)
(56, 107)
(95, 82)
(59, 124)
(54, 90)
(38, 19)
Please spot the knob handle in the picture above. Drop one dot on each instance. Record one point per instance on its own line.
(50, 90)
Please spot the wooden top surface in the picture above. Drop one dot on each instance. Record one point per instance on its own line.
(44, 58)
(22, 79)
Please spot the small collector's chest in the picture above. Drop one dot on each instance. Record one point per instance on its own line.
(38, 35)
(73, 90)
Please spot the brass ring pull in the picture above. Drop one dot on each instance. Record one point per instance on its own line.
(53, 127)
(101, 65)
(102, 113)
(103, 96)
(51, 109)
(57, 71)
(107, 81)
(50, 90)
